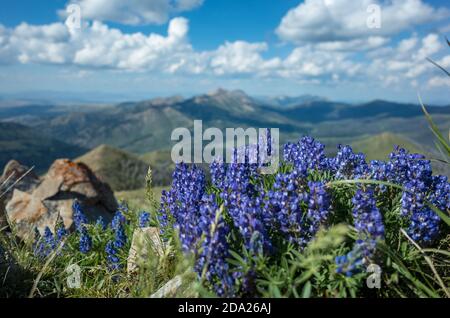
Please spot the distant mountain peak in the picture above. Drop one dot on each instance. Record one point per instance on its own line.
(220, 92)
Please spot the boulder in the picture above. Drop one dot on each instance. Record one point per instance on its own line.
(52, 200)
(15, 176)
(144, 242)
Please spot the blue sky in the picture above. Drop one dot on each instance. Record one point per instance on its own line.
(140, 49)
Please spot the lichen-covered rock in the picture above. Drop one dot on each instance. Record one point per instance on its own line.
(144, 241)
(64, 183)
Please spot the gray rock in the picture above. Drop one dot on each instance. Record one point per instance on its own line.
(145, 244)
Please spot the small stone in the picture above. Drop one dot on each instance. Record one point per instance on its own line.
(143, 239)
(169, 289)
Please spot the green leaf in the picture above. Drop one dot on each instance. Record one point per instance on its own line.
(237, 257)
(306, 293)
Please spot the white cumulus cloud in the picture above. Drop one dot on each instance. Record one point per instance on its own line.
(133, 12)
(344, 20)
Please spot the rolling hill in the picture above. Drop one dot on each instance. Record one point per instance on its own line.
(120, 169)
(146, 126)
(31, 148)
(378, 147)
(125, 171)
(161, 164)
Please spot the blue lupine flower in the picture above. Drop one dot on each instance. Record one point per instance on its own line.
(347, 164)
(368, 222)
(79, 218)
(112, 256)
(293, 209)
(214, 248)
(284, 204)
(350, 263)
(118, 220)
(306, 154)
(319, 206)
(120, 238)
(144, 219)
(181, 203)
(45, 244)
(61, 233)
(415, 174)
(101, 223)
(367, 217)
(424, 226)
(85, 241)
(440, 193)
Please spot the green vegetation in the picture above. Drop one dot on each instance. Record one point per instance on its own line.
(136, 198)
(378, 147)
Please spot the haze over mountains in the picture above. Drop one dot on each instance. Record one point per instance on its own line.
(38, 134)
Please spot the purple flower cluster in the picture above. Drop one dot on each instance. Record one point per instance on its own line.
(297, 209)
(367, 218)
(414, 173)
(440, 193)
(194, 214)
(120, 239)
(306, 154)
(260, 212)
(144, 219)
(348, 165)
(181, 204)
(214, 249)
(85, 241)
(80, 220)
(284, 203)
(45, 244)
(424, 226)
(112, 256)
(319, 205)
(243, 200)
(368, 222)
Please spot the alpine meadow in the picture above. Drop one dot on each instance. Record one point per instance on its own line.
(251, 149)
